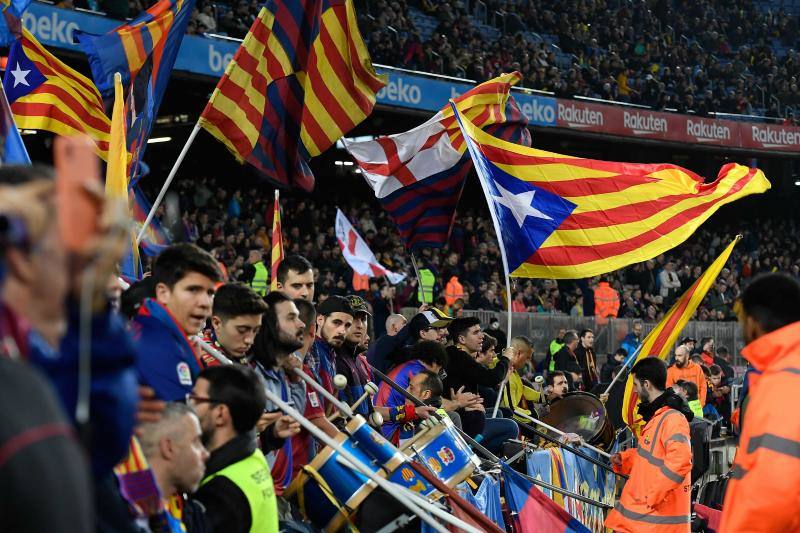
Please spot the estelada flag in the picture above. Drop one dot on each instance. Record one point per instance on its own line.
(301, 79)
(568, 217)
(660, 341)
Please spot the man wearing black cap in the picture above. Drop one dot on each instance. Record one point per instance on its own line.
(389, 351)
(349, 363)
(334, 320)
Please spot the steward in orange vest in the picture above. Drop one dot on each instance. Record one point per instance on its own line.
(763, 492)
(453, 291)
(657, 496)
(606, 300)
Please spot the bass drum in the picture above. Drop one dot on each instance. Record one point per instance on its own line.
(583, 414)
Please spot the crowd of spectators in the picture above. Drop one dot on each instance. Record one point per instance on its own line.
(230, 222)
(697, 57)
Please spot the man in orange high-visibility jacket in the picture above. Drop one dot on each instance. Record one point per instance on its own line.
(762, 493)
(453, 291)
(606, 300)
(657, 497)
(687, 370)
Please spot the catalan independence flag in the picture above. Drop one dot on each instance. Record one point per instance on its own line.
(143, 51)
(418, 175)
(660, 341)
(301, 79)
(154, 240)
(568, 217)
(46, 94)
(277, 243)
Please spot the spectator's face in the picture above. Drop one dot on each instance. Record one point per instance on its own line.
(297, 285)
(290, 327)
(680, 391)
(189, 301)
(709, 346)
(588, 340)
(560, 386)
(358, 330)
(472, 339)
(417, 388)
(715, 380)
(681, 356)
(186, 454)
(637, 329)
(207, 412)
(236, 334)
(334, 327)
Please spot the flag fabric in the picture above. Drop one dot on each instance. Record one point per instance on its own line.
(659, 342)
(301, 79)
(46, 94)
(154, 240)
(357, 253)
(418, 175)
(12, 149)
(569, 217)
(11, 21)
(488, 499)
(277, 243)
(532, 511)
(143, 51)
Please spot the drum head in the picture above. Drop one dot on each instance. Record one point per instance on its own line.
(580, 413)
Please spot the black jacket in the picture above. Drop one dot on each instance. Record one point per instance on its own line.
(227, 508)
(586, 357)
(464, 370)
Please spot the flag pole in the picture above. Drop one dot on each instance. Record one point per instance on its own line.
(419, 280)
(503, 257)
(167, 183)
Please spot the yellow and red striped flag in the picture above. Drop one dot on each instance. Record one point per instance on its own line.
(277, 242)
(46, 94)
(660, 341)
(300, 80)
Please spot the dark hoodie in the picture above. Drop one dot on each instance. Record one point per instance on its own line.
(669, 399)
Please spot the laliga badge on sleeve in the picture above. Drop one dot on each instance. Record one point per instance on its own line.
(312, 397)
(184, 374)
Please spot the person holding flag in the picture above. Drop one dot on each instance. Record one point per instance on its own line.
(657, 497)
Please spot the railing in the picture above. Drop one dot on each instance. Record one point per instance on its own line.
(608, 333)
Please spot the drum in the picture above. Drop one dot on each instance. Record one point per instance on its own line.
(329, 490)
(583, 414)
(442, 450)
(392, 460)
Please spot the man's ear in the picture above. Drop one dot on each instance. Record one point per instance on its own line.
(19, 265)
(163, 293)
(216, 322)
(166, 449)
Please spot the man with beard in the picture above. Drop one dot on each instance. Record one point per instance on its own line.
(296, 278)
(687, 370)
(334, 320)
(281, 334)
(657, 497)
(236, 320)
(237, 490)
(586, 359)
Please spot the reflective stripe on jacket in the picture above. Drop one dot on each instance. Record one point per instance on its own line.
(762, 494)
(657, 497)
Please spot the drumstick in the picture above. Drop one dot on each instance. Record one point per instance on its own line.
(370, 389)
(341, 406)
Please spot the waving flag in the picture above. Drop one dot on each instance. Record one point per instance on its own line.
(277, 242)
(154, 240)
(11, 21)
(532, 511)
(568, 217)
(418, 175)
(301, 79)
(357, 253)
(45, 94)
(143, 51)
(660, 341)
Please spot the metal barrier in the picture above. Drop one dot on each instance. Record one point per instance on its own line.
(608, 333)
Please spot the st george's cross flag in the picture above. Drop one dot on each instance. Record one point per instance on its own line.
(567, 217)
(357, 253)
(418, 175)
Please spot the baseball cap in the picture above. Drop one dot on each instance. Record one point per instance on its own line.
(358, 304)
(431, 318)
(688, 339)
(335, 304)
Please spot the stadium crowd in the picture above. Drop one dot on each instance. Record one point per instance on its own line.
(172, 432)
(234, 226)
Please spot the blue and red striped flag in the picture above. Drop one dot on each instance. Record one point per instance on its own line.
(301, 79)
(532, 511)
(418, 175)
(143, 51)
(154, 240)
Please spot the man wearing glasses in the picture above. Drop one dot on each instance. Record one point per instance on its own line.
(237, 490)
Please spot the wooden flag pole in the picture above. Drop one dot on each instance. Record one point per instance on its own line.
(167, 183)
(419, 279)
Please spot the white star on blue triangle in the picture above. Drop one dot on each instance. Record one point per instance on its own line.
(527, 214)
(22, 76)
